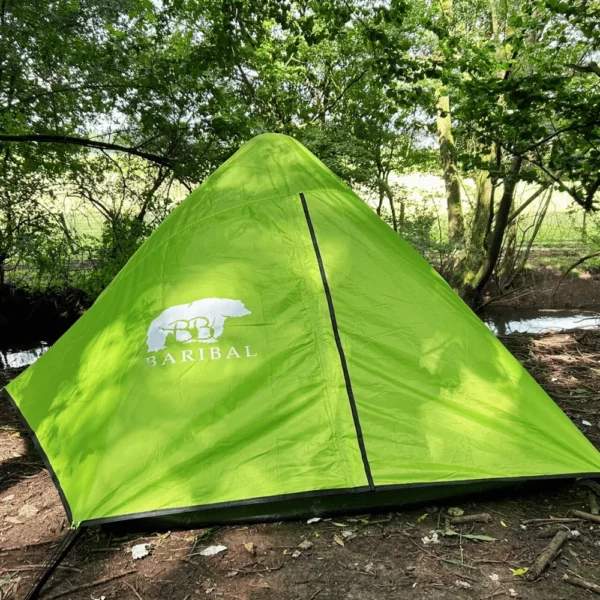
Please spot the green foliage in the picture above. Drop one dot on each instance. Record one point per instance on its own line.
(108, 255)
(111, 108)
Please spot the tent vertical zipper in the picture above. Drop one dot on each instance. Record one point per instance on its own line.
(338, 343)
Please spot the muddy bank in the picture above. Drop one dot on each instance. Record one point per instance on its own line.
(371, 557)
(545, 287)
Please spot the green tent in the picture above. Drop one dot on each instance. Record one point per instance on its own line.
(275, 349)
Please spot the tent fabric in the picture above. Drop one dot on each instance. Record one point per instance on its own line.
(275, 340)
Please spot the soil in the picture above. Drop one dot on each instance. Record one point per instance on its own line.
(377, 556)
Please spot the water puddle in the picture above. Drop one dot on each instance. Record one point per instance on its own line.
(21, 356)
(505, 322)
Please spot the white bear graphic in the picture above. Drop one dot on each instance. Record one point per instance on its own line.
(200, 321)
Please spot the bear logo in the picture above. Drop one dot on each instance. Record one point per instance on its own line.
(201, 321)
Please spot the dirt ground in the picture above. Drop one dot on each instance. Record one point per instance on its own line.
(367, 557)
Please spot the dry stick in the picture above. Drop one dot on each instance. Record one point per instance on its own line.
(479, 518)
(575, 264)
(593, 502)
(557, 520)
(549, 552)
(37, 568)
(586, 516)
(133, 590)
(25, 546)
(87, 586)
(582, 583)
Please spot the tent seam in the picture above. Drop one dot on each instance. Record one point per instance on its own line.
(338, 342)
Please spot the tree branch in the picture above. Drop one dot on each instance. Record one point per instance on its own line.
(87, 143)
(574, 265)
(591, 67)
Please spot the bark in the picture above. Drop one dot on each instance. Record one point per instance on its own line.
(582, 583)
(481, 215)
(538, 225)
(549, 552)
(395, 222)
(472, 288)
(456, 229)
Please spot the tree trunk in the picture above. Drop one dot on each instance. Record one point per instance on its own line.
(395, 222)
(472, 290)
(481, 216)
(456, 229)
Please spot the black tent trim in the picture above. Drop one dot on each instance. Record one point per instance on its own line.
(315, 494)
(338, 343)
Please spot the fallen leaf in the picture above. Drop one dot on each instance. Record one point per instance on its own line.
(313, 520)
(433, 538)
(455, 511)
(338, 540)
(519, 572)
(212, 550)
(8, 498)
(306, 545)
(250, 547)
(422, 517)
(140, 551)
(503, 524)
(339, 524)
(462, 584)
(296, 554)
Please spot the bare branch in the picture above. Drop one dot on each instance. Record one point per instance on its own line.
(87, 143)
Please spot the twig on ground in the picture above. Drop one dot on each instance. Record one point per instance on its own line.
(549, 552)
(586, 516)
(25, 546)
(551, 520)
(582, 583)
(87, 586)
(133, 590)
(479, 518)
(36, 568)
